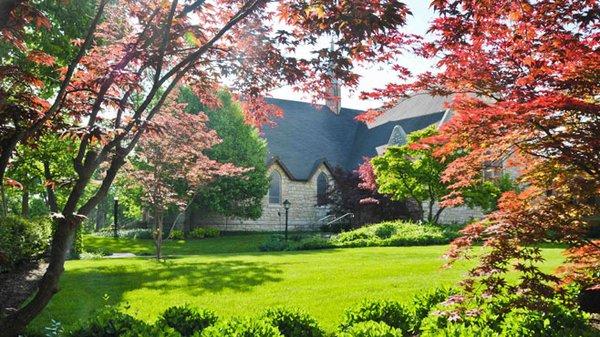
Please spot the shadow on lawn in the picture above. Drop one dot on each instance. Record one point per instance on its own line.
(186, 279)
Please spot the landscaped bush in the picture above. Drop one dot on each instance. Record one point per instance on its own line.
(186, 320)
(204, 232)
(293, 323)
(337, 227)
(396, 233)
(22, 240)
(504, 316)
(371, 329)
(99, 251)
(501, 316)
(176, 235)
(277, 243)
(242, 328)
(134, 233)
(386, 230)
(390, 312)
(423, 303)
(112, 323)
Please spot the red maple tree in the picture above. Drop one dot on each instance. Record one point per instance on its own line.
(171, 153)
(135, 53)
(524, 77)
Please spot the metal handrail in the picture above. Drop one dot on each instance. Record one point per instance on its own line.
(325, 217)
(351, 215)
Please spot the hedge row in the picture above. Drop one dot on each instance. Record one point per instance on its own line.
(393, 233)
(428, 316)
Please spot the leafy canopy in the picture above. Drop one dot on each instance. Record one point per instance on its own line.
(411, 172)
(242, 146)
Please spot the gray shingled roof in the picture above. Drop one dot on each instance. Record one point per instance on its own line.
(308, 135)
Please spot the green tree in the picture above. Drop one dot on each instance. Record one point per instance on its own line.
(237, 196)
(43, 171)
(412, 172)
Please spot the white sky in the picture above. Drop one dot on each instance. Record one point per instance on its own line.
(377, 77)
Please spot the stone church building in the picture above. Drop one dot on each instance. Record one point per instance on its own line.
(309, 141)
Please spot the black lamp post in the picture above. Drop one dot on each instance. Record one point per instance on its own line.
(116, 216)
(286, 205)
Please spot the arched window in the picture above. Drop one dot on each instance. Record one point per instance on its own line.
(322, 184)
(275, 188)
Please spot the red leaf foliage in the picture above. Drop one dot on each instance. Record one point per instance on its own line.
(524, 79)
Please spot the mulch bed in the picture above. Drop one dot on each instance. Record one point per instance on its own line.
(18, 285)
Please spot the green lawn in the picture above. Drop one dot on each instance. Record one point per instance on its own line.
(222, 245)
(230, 276)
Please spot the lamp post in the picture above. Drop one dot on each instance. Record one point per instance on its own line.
(286, 205)
(116, 216)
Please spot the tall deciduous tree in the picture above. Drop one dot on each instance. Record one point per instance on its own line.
(411, 172)
(241, 145)
(126, 66)
(526, 75)
(35, 41)
(171, 155)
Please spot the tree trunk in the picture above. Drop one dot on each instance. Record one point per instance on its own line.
(8, 148)
(4, 201)
(25, 202)
(101, 215)
(187, 220)
(159, 233)
(14, 324)
(430, 214)
(436, 219)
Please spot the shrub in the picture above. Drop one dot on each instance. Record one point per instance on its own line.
(212, 232)
(423, 303)
(505, 316)
(109, 322)
(242, 328)
(22, 240)
(204, 232)
(197, 233)
(176, 235)
(337, 227)
(293, 323)
(385, 230)
(463, 330)
(371, 329)
(100, 251)
(390, 312)
(277, 243)
(134, 233)
(311, 243)
(396, 233)
(186, 320)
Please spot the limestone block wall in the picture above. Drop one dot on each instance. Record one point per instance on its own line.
(303, 213)
(461, 214)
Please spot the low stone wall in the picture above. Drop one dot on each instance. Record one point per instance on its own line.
(461, 214)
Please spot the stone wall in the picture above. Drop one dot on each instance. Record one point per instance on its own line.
(303, 213)
(461, 214)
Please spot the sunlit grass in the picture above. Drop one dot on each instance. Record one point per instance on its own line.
(323, 283)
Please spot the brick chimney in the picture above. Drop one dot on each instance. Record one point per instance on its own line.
(334, 99)
(334, 92)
